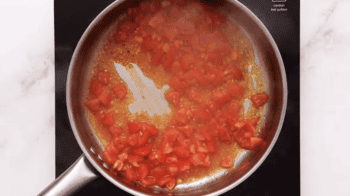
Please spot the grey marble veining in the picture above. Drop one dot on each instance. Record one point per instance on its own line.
(27, 111)
(325, 79)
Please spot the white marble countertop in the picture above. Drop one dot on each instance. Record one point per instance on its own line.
(27, 106)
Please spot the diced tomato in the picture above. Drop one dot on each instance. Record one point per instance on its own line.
(112, 149)
(96, 88)
(211, 145)
(106, 118)
(186, 27)
(169, 31)
(212, 127)
(220, 97)
(134, 160)
(172, 169)
(138, 39)
(128, 27)
(94, 105)
(224, 135)
(187, 130)
(150, 44)
(109, 157)
(243, 142)
(184, 165)
(214, 76)
(255, 142)
(176, 68)
(187, 61)
(182, 151)
(198, 76)
(194, 95)
(211, 106)
(170, 134)
(116, 130)
(171, 184)
(184, 114)
(143, 151)
(148, 181)
(234, 73)
(199, 135)
(202, 114)
(202, 147)
(119, 142)
(235, 90)
(120, 90)
(208, 132)
(125, 30)
(157, 57)
(123, 156)
(156, 20)
(227, 162)
(216, 58)
(248, 127)
(196, 159)
(218, 19)
(234, 106)
(157, 156)
(206, 161)
(154, 6)
(171, 159)
(143, 170)
(179, 85)
(118, 165)
(152, 130)
(133, 139)
(103, 77)
(159, 172)
(173, 97)
(181, 139)
(185, 79)
(193, 149)
(239, 125)
(163, 181)
(105, 98)
(134, 127)
(166, 147)
(131, 174)
(254, 121)
(259, 99)
(143, 138)
(248, 135)
(232, 119)
(221, 117)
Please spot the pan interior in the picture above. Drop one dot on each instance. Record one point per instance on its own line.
(266, 56)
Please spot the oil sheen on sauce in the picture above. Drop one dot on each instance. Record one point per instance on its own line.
(130, 53)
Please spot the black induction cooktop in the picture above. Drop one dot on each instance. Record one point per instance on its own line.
(280, 172)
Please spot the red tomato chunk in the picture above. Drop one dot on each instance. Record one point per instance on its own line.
(259, 99)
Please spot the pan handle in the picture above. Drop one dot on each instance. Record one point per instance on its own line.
(75, 177)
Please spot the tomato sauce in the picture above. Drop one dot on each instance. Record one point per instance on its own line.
(216, 94)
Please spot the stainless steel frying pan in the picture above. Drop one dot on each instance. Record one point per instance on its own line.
(91, 164)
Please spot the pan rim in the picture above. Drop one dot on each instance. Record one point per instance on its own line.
(86, 153)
